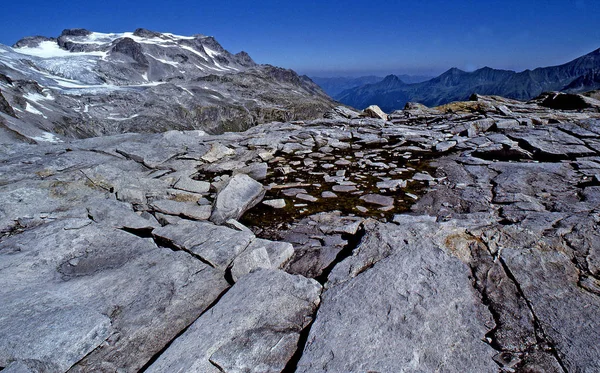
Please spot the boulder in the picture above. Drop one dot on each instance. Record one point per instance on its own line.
(240, 194)
(374, 111)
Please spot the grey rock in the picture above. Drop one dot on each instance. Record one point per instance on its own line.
(374, 111)
(187, 209)
(392, 185)
(557, 301)
(257, 171)
(444, 146)
(215, 244)
(240, 194)
(327, 194)
(193, 186)
(400, 298)
(118, 214)
(344, 188)
(261, 254)
(95, 296)
(275, 203)
(377, 199)
(217, 151)
(254, 327)
(306, 197)
(422, 177)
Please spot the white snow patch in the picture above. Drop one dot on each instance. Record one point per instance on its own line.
(49, 49)
(172, 63)
(120, 119)
(47, 137)
(178, 36)
(33, 110)
(193, 51)
(188, 91)
(211, 53)
(145, 76)
(36, 97)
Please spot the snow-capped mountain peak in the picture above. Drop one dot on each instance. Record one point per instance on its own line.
(84, 83)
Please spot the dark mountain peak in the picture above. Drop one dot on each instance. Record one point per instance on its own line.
(454, 71)
(130, 48)
(391, 78)
(32, 41)
(75, 32)
(145, 33)
(244, 59)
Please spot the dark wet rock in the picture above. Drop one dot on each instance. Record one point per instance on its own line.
(566, 101)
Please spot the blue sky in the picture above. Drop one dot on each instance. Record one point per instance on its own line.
(344, 37)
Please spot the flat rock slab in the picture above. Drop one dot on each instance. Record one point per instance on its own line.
(553, 142)
(377, 199)
(194, 186)
(187, 209)
(240, 194)
(215, 244)
(306, 197)
(255, 327)
(568, 314)
(78, 292)
(344, 188)
(275, 203)
(414, 311)
(217, 151)
(118, 214)
(261, 254)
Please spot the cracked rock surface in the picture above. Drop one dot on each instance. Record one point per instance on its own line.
(462, 238)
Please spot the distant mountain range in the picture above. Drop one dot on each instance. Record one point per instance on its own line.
(336, 85)
(86, 83)
(392, 93)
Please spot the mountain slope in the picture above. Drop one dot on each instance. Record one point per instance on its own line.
(336, 85)
(85, 83)
(390, 94)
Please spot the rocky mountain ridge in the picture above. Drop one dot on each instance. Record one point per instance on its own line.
(392, 93)
(333, 86)
(85, 84)
(465, 239)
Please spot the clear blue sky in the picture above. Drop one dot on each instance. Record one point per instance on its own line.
(335, 37)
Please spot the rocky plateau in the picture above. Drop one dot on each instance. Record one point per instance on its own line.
(463, 238)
